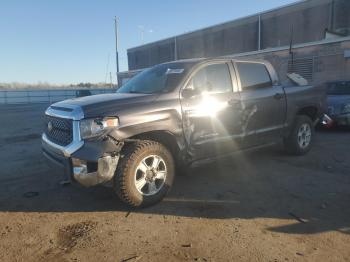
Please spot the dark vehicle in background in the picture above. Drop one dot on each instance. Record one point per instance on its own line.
(338, 99)
(83, 92)
(173, 115)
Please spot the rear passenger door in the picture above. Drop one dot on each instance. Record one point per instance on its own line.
(263, 102)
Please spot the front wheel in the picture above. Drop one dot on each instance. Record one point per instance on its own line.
(301, 137)
(145, 173)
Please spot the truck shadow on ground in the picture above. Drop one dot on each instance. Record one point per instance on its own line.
(310, 193)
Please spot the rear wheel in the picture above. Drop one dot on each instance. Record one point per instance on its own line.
(145, 173)
(301, 137)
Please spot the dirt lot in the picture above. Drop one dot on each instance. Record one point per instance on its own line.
(259, 206)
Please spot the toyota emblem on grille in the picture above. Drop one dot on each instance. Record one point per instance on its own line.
(49, 126)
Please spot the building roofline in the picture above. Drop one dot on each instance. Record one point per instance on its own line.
(223, 23)
(267, 50)
(282, 48)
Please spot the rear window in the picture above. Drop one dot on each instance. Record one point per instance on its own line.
(253, 75)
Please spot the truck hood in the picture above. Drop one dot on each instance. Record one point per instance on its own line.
(106, 104)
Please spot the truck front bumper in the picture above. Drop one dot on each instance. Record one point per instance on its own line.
(106, 167)
(57, 161)
(90, 165)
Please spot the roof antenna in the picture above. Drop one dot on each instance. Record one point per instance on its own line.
(291, 44)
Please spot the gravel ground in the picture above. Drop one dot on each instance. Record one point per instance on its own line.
(257, 206)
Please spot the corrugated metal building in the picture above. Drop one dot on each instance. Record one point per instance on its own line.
(309, 24)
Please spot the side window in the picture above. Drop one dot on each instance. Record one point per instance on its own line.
(253, 75)
(214, 78)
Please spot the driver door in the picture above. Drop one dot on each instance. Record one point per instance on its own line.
(211, 111)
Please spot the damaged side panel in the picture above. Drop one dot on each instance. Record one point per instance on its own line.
(263, 115)
(93, 150)
(165, 117)
(212, 128)
(252, 114)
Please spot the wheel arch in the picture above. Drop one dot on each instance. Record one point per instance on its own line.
(310, 111)
(166, 138)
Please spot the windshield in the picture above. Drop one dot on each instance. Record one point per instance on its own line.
(158, 79)
(341, 88)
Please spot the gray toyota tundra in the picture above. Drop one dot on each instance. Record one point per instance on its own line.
(173, 115)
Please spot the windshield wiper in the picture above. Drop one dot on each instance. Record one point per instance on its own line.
(130, 92)
(135, 92)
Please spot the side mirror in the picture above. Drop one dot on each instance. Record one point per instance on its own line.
(188, 93)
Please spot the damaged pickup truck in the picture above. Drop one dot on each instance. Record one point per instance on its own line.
(173, 115)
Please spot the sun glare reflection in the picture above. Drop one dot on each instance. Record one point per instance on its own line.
(209, 106)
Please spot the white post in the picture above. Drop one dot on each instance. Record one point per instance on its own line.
(259, 34)
(116, 46)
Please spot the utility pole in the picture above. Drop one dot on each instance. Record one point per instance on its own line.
(142, 33)
(175, 48)
(116, 46)
(259, 33)
(110, 77)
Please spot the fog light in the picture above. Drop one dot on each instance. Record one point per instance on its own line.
(78, 162)
(79, 167)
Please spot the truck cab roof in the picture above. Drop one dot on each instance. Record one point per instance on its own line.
(188, 63)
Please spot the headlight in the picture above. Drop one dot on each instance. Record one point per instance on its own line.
(346, 109)
(95, 127)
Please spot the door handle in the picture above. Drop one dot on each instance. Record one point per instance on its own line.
(278, 96)
(234, 102)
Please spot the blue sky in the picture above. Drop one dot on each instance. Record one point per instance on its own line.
(66, 41)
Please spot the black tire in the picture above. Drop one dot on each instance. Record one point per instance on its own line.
(291, 143)
(124, 183)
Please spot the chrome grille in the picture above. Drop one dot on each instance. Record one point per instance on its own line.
(59, 130)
